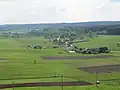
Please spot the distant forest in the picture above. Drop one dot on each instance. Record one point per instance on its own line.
(111, 27)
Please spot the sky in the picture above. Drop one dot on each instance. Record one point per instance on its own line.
(57, 11)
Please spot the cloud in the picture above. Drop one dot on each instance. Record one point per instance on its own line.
(107, 10)
(6, 0)
(27, 11)
(115, 1)
(37, 11)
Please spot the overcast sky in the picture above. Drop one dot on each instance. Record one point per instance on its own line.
(47, 11)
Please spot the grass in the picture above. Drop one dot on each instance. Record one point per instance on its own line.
(101, 41)
(18, 63)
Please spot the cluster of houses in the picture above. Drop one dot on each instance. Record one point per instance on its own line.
(12, 34)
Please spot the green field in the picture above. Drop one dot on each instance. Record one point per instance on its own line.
(16, 62)
(109, 41)
(101, 87)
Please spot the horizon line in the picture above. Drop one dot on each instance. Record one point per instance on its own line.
(60, 22)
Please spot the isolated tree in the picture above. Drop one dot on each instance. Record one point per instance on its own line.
(17, 37)
(90, 34)
(118, 44)
(29, 46)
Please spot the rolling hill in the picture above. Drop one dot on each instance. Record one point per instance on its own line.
(112, 27)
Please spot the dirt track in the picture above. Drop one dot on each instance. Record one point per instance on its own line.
(80, 83)
(75, 57)
(102, 69)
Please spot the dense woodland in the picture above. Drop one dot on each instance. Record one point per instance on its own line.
(110, 29)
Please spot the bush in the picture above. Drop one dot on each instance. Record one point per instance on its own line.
(37, 47)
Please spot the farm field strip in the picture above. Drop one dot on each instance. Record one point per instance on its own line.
(76, 57)
(80, 83)
(102, 69)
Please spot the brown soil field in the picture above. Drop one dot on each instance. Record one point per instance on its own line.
(75, 57)
(102, 69)
(78, 83)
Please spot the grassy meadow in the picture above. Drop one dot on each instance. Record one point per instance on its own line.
(16, 63)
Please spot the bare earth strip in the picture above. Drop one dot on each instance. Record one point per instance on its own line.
(102, 69)
(75, 57)
(79, 83)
